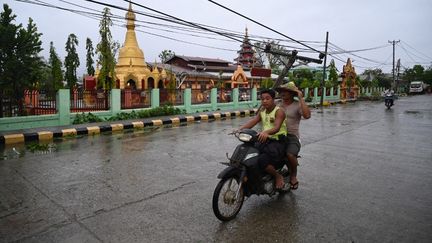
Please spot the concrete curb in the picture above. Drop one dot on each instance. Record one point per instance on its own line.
(117, 126)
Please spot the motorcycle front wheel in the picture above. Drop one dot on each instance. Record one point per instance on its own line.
(226, 205)
(388, 104)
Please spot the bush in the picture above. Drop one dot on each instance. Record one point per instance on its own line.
(164, 110)
(86, 118)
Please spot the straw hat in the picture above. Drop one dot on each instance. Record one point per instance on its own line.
(290, 86)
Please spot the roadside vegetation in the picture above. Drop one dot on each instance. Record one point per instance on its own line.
(165, 110)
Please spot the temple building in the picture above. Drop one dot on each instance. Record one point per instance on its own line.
(199, 73)
(246, 55)
(204, 73)
(131, 69)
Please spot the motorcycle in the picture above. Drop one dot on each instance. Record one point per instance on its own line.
(388, 100)
(243, 178)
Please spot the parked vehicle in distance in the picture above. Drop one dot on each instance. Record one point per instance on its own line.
(244, 96)
(417, 87)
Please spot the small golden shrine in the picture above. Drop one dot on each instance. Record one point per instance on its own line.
(239, 78)
(131, 69)
(349, 88)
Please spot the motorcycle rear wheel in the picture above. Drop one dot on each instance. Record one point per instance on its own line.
(225, 204)
(387, 104)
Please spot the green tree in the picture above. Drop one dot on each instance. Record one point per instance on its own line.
(165, 55)
(106, 49)
(71, 61)
(299, 75)
(333, 75)
(379, 79)
(427, 76)
(414, 73)
(89, 57)
(267, 83)
(20, 63)
(55, 64)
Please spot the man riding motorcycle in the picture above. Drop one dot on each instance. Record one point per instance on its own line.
(272, 136)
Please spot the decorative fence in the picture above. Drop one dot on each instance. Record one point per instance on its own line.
(8, 105)
(200, 96)
(89, 100)
(43, 103)
(133, 99)
(171, 96)
(61, 109)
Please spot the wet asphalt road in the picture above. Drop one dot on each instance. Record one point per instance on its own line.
(365, 176)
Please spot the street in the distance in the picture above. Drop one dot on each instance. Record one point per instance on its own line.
(365, 176)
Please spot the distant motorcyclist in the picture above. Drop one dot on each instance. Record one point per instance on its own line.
(389, 95)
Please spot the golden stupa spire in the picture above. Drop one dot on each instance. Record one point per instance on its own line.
(130, 51)
(130, 17)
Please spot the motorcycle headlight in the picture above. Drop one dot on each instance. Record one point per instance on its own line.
(244, 137)
(250, 156)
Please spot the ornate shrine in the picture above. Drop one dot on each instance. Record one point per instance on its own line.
(349, 88)
(132, 72)
(246, 54)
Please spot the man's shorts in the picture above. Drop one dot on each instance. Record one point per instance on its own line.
(293, 144)
(271, 153)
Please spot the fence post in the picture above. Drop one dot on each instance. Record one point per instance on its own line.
(254, 97)
(213, 98)
(235, 97)
(188, 100)
(115, 105)
(306, 93)
(315, 98)
(324, 92)
(154, 98)
(63, 106)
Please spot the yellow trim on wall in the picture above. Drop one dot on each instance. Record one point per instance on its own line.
(44, 135)
(116, 127)
(93, 130)
(157, 122)
(138, 124)
(14, 138)
(69, 132)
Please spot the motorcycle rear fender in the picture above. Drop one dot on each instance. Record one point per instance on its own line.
(229, 172)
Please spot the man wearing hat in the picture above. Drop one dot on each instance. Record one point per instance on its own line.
(294, 111)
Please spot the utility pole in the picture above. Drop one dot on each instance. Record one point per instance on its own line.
(394, 43)
(324, 71)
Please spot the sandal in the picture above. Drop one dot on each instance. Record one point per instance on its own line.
(294, 186)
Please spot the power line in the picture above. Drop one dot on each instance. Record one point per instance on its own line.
(94, 14)
(256, 22)
(364, 58)
(360, 50)
(411, 53)
(185, 28)
(98, 16)
(427, 57)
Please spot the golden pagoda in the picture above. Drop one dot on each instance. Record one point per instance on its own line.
(131, 69)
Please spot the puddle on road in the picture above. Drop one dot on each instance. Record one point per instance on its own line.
(16, 151)
(412, 112)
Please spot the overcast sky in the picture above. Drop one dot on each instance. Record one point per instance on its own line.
(352, 26)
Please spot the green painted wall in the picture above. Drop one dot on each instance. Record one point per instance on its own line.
(64, 117)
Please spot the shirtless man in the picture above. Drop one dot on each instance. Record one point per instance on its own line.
(294, 111)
